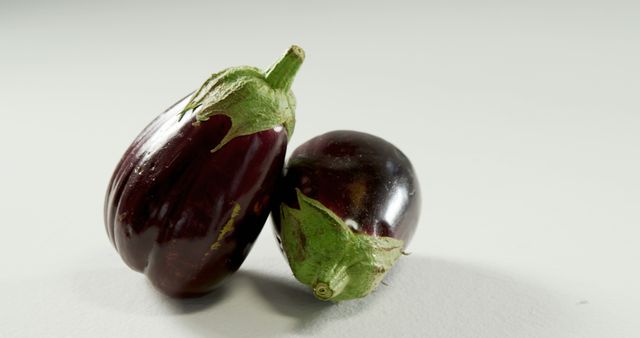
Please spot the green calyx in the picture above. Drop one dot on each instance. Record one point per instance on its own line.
(324, 253)
(254, 100)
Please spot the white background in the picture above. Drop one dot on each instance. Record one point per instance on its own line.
(521, 118)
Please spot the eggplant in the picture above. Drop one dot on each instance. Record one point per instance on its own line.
(349, 205)
(191, 194)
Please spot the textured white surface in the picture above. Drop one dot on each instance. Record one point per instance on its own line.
(522, 120)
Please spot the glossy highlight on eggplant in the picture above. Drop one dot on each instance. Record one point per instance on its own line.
(191, 194)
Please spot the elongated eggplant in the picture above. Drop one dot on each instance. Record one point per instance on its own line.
(350, 204)
(193, 191)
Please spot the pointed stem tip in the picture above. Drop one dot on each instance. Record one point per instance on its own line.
(282, 73)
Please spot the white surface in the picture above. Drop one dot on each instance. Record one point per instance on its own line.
(522, 120)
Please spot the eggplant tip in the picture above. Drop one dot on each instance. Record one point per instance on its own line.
(322, 291)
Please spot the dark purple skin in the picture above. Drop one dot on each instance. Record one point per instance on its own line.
(170, 197)
(363, 179)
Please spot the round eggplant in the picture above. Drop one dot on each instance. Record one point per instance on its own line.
(193, 191)
(350, 204)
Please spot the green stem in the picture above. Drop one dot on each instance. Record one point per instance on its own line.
(331, 284)
(281, 74)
